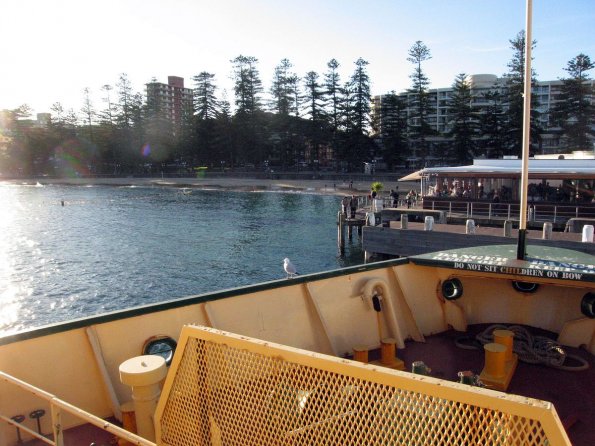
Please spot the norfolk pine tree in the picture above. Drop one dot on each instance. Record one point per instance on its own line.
(513, 100)
(575, 113)
(419, 99)
(462, 122)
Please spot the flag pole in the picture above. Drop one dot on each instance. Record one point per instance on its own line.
(522, 240)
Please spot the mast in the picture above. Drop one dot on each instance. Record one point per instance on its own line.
(522, 241)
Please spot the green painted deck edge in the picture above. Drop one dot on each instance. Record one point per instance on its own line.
(190, 300)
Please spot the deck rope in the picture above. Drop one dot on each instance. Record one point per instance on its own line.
(530, 348)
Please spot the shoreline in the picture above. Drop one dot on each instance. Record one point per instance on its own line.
(231, 184)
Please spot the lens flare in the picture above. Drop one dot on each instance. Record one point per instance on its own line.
(145, 150)
(71, 158)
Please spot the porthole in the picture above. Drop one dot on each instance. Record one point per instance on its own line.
(452, 289)
(525, 287)
(588, 305)
(163, 346)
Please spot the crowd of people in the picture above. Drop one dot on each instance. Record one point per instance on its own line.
(350, 204)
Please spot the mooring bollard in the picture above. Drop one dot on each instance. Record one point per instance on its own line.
(470, 227)
(507, 228)
(588, 233)
(429, 223)
(547, 230)
(404, 221)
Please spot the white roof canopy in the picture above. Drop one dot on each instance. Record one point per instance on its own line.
(571, 169)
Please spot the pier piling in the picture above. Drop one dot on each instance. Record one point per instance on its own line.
(340, 235)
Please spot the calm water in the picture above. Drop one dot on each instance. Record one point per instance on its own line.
(110, 248)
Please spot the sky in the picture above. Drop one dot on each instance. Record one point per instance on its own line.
(50, 50)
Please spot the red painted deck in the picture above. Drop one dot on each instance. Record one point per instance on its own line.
(84, 435)
(572, 393)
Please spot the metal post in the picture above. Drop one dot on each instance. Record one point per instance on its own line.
(522, 241)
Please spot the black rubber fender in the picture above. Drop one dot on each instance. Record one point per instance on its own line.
(588, 305)
(452, 289)
(525, 287)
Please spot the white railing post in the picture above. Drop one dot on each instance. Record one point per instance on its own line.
(450, 208)
(555, 213)
(57, 424)
(490, 211)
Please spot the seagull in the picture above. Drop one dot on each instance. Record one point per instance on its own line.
(289, 268)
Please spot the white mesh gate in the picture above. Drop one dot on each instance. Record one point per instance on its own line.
(226, 389)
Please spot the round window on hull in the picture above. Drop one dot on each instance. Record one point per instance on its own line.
(452, 289)
(163, 346)
(525, 287)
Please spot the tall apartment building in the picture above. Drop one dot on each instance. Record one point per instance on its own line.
(171, 100)
(547, 93)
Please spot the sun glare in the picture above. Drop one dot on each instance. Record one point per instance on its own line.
(11, 293)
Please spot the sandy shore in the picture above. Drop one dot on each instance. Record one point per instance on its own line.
(239, 184)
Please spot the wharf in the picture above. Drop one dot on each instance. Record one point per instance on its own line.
(389, 239)
(396, 242)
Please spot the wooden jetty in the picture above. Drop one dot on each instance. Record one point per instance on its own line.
(395, 241)
(344, 222)
(400, 232)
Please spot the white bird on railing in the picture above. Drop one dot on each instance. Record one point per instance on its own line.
(289, 268)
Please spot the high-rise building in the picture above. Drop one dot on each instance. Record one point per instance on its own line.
(547, 94)
(171, 101)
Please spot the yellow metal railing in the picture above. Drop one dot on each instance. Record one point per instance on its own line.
(56, 407)
(225, 389)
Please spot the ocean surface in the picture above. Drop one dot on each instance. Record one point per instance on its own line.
(111, 248)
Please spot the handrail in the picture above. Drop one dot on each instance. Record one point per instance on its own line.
(477, 209)
(57, 405)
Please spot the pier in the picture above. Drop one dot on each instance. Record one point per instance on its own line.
(402, 231)
(347, 224)
(416, 238)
